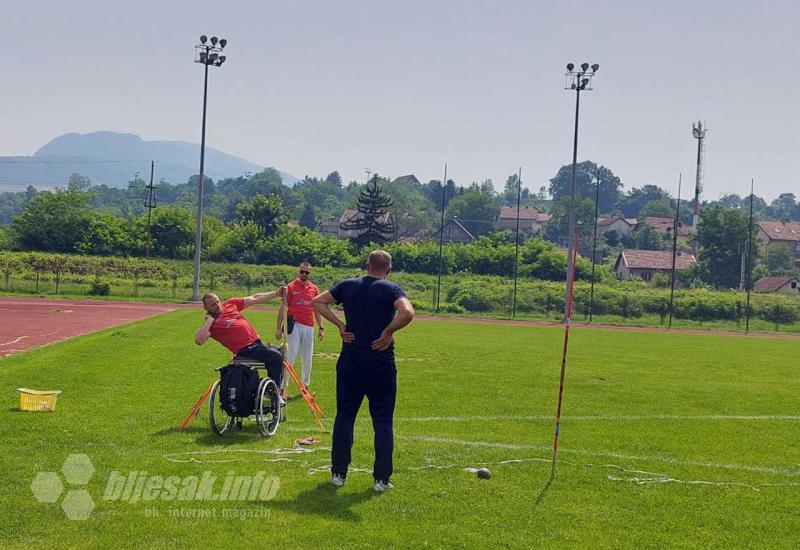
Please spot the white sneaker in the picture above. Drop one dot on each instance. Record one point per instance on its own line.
(283, 401)
(382, 486)
(337, 480)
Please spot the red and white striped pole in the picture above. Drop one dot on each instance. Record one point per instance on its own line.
(567, 323)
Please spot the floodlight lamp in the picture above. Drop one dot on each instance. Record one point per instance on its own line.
(203, 39)
(203, 56)
(584, 82)
(213, 40)
(570, 66)
(222, 59)
(584, 66)
(573, 86)
(213, 57)
(595, 67)
(223, 43)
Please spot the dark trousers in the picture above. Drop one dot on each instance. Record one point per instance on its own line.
(270, 356)
(361, 373)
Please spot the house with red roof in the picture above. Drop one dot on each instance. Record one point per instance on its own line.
(645, 264)
(781, 285)
(783, 232)
(531, 220)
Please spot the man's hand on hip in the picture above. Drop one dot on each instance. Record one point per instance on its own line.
(347, 337)
(384, 342)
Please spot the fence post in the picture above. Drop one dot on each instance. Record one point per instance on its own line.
(174, 283)
(7, 274)
(37, 279)
(58, 276)
(136, 282)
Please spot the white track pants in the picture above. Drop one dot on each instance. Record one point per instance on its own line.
(301, 339)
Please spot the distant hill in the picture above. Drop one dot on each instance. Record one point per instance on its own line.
(113, 159)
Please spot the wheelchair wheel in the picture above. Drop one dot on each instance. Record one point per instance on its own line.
(268, 407)
(219, 419)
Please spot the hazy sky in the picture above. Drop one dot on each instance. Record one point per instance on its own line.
(403, 87)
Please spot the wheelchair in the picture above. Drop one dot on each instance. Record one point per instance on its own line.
(267, 407)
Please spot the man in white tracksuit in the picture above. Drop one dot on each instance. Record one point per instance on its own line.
(300, 322)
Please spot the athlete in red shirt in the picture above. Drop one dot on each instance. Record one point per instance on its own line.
(225, 324)
(300, 321)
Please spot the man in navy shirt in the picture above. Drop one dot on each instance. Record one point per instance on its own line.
(374, 310)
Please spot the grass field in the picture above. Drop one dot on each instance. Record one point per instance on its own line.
(667, 440)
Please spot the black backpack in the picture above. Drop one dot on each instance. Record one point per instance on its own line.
(238, 385)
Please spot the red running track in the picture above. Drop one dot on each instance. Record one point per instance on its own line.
(30, 322)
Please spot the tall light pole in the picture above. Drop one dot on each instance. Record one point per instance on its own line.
(208, 52)
(581, 81)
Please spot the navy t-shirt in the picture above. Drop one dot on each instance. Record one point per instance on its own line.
(368, 307)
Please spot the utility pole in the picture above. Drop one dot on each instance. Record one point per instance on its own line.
(150, 204)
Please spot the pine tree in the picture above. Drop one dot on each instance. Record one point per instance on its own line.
(373, 205)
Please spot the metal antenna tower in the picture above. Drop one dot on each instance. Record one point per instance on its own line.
(699, 133)
(150, 203)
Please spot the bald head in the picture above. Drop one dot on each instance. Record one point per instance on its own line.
(379, 263)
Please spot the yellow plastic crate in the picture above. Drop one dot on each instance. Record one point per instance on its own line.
(37, 400)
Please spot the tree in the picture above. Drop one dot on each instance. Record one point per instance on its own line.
(433, 191)
(308, 218)
(266, 212)
(53, 221)
(734, 201)
(612, 238)
(632, 203)
(780, 259)
(784, 207)
(511, 190)
(660, 208)
(370, 223)
(79, 182)
(585, 181)
(334, 178)
(721, 236)
(557, 227)
(413, 212)
(476, 210)
(645, 238)
(173, 232)
(487, 187)
(209, 188)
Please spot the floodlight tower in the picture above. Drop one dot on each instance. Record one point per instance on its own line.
(209, 53)
(699, 133)
(581, 81)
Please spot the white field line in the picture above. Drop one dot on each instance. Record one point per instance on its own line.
(14, 341)
(604, 454)
(597, 418)
(23, 337)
